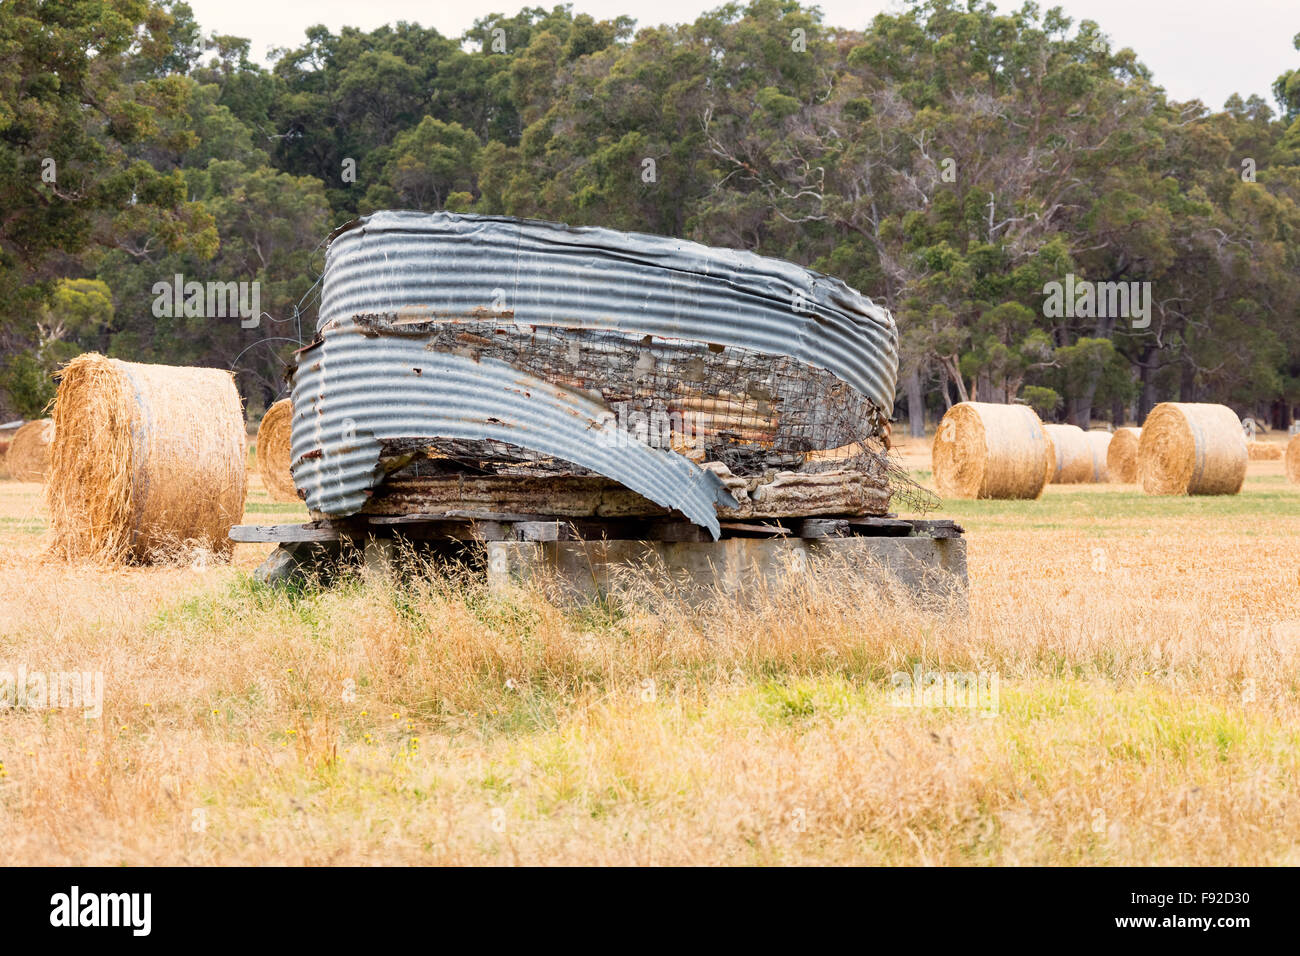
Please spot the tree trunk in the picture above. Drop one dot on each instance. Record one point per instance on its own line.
(1147, 400)
(915, 404)
(952, 366)
(1187, 387)
(1279, 415)
(1079, 409)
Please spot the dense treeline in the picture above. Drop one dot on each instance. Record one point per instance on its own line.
(950, 161)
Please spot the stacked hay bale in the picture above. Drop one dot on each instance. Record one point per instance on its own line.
(148, 461)
(1192, 449)
(28, 457)
(1073, 461)
(7, 433)
(1122, 456)
(1099, 441)
(984, 450)
(1293, 459)
(1263, 451)
(273, 454)
(1049, 469)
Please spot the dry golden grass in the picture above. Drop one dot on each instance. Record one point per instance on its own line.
(1147, 649)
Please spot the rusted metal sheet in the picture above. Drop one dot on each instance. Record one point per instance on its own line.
(381, 369)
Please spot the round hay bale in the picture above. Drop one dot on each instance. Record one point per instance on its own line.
(1192, 449)
(1049, 459)
(1122, 456)
(1263, 451)
(1100, 443)
(28, 457)
(7, 433)
(148, 461)
(273, 455)
(983, 450)
(1073, 459)
(1293, 459)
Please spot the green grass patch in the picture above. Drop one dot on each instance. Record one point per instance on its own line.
(275, 508)
(1061, 506)
(24, 525)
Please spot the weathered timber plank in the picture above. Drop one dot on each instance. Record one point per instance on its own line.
(741, 528)
(835, 493)
(453, 515)
(821, 493)
(265, 534)
(565, 496)
(821, 527)
(539, 531)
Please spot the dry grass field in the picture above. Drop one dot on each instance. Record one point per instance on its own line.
(1147, 656)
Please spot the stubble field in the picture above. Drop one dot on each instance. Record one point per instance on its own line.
(1146, 654)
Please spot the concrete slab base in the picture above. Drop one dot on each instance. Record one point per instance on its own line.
(924, 567)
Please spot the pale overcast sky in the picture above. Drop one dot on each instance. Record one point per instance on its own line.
(1202, 49)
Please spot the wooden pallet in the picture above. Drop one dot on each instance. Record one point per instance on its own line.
(472, 526)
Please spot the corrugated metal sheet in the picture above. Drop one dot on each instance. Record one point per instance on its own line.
(353, 391)
(447, 267)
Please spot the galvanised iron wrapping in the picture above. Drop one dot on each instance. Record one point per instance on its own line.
(352, 391)
(442, 267)
(448, 267)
